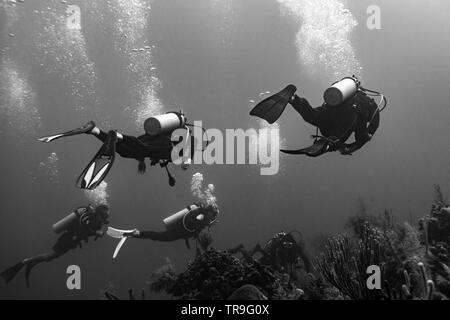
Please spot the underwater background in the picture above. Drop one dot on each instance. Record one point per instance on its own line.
(209, 58)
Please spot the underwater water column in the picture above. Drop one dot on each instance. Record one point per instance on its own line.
(223, 16)
(48, 168)
(323, 40)
(264, 136)
(99, 195)
(10, 10)
(17, 99)
(131, 40)
(61, 49)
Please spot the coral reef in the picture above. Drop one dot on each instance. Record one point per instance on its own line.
(164, 278)
(283, 253)
(247, 292)
(217, 274)
(435, 230)
(414, 263)
(344, 263)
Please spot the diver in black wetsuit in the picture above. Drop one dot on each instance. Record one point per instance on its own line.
(156, 148)
(82, 224)
(336, 124)
(184, 225)
(282, 252)
(348, 109)
(155, 144)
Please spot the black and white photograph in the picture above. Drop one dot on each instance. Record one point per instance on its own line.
(225, 155)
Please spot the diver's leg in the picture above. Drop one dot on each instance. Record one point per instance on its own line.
(65, 243)
(99, 134)
(129, 147)
(30, 263)
(164, 236)
(87, 128)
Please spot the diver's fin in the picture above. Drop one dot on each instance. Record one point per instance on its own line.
(11, 272)
(117, 233)
(29, 267)
(318, 148)
(100, 165)
(119, 246)
(270, 109)
(84, 129)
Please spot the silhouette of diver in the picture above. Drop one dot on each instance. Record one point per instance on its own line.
(350, 109)
(183, 225)
(282, 252)
(157, 147)
(80, 225)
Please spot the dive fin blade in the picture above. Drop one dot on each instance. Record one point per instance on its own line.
(11, 272)
(294, 152)
(99, 167)
(270, 109)
(317, 149)
(28, 269)
(51, 138)
(119, 246)
(117, 233)
(84, 129)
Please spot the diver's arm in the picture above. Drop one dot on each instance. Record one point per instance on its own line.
(167, 235)
(308, 113)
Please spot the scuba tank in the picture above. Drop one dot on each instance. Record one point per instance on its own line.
(178, 217)
(164, 123)
(66, 222)
(341, 91)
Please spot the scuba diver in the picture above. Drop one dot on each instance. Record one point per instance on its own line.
(80, 225)
(348, 108)
(155, 144)
(282, 252)
(183, 225)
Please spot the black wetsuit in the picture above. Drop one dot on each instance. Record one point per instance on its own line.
(190, 227)
(145, 146)
(78, 232)
(284, 252)
(87, 226)
(357, 115)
